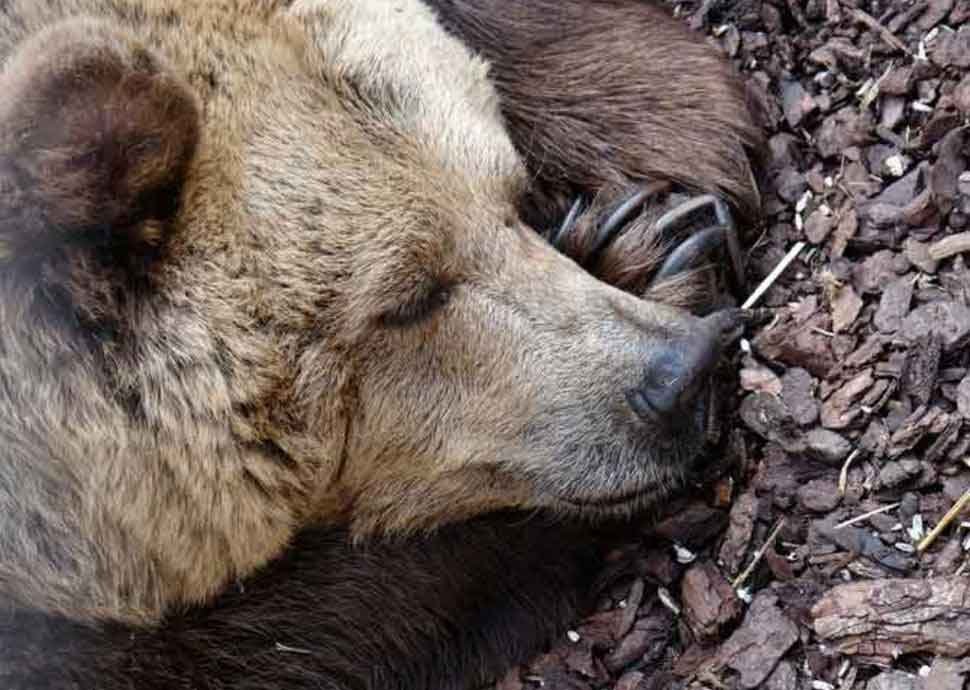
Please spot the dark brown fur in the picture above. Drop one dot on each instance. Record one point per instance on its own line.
(609, 92)
(244, 294)
(443, 613)
(656, 105)
(97, 141)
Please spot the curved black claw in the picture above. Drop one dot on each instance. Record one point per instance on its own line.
(614, 224)
(558, 236)
(701, 243)
(688, 252)
(617, 220)
(678, 221)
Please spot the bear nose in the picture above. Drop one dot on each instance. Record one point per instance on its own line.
(680, 368)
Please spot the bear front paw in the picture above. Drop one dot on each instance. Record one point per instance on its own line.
(657, 243)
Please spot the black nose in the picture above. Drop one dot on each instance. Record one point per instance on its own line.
(679, 369)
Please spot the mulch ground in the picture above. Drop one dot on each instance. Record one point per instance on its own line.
(831, 552)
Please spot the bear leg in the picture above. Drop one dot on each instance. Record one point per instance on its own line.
(599, 93)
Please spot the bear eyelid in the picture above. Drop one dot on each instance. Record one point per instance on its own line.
(422, 307)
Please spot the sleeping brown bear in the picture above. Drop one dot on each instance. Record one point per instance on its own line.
(292, 393)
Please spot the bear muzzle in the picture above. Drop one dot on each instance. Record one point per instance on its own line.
(680, 371)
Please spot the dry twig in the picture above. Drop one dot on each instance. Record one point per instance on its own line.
(885, 34)
(844, 473)
(950, 516)
(740, 579)
(773, 276)
(866, 516)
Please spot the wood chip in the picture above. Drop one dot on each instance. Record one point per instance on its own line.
(950, 246)
(845, 308)
(883, 619)
(708, 601)
(756, 647)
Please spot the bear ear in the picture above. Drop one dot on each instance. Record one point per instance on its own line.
(96, 136)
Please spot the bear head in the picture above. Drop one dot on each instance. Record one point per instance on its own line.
(265, 270)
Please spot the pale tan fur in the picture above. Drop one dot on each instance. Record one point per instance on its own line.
(351, 157)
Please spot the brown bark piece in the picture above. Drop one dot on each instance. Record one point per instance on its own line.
(882, 619)
(784, 678)
(923, 421)
(634, 680)
(845, 308)
(739, 532)
(797, 392)
(768, 417)
(764, 637)
(947, 674)
(963, 397)
(757, 378)
(844, 128)
(819, 225)
(693, 525)
(922, 365)
(796, 344)
(647, 641)
(894, 680)
(633, 601)
(949, 164)
(828, 446)
(894, 304)
(846, 229)
(949, 320)
(875, 272)
(840, 410)
(918, 254)
(709, 601)
(953, 49)
(579, 658)
(819, 495)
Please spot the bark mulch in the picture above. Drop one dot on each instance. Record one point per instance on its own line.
(832, 551)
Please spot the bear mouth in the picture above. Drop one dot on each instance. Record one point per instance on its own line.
(693, 450)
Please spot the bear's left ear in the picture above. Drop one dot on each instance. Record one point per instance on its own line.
(96, 136)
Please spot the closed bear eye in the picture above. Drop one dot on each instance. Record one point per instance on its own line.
(419, 309)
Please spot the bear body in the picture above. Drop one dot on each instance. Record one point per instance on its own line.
(267, 291)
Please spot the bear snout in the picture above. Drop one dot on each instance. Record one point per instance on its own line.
(679, 371)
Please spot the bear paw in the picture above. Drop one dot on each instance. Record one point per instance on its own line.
(657, 243)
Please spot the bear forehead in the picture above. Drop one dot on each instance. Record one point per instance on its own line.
(354, 117)
(363, 94)
(356, 97)
(328, 130)
(399, 67)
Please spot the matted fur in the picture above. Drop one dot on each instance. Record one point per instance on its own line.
(311, 302)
